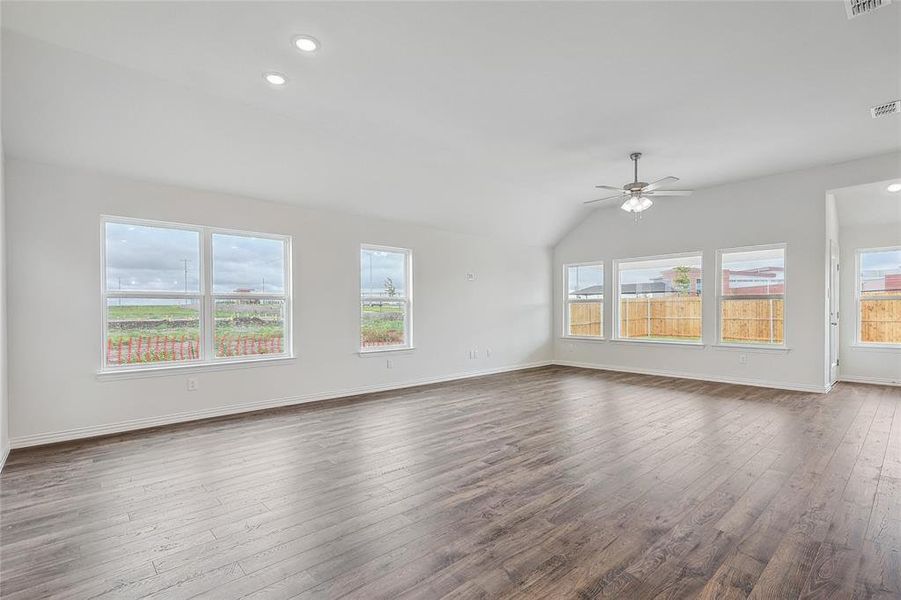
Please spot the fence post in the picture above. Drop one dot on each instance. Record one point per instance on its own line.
(647, 304)
(772, 321)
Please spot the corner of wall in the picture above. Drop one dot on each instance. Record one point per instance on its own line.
(4, 396)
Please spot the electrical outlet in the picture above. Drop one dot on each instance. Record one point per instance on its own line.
(389, 364)
(192, 384)
(470, 277)
(743, 358)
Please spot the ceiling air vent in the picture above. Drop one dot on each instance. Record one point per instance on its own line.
(856, 8)
(884, 110)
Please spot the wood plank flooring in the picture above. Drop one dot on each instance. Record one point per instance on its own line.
(547, 483)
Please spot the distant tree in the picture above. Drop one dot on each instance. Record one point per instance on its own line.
(682, 280)
(390, 290)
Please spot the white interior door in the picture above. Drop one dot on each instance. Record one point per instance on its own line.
(834, 290)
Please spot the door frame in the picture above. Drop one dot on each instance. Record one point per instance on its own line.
(834, 316)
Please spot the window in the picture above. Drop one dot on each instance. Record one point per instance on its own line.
(879, 296)
(584, 315)
(659, 299)
(385, 298)
(752, 295)
(185, 295)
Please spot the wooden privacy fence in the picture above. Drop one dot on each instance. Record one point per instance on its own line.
(759, 320)
(743, 320)
(165, 348)
(585, 318)
(669, 317)
(880, 321)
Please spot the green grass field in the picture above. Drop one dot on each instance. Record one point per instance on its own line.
(383, 324)
(225, 325)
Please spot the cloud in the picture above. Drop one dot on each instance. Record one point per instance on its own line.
(151, 259)
(377, 266)
(241, 262)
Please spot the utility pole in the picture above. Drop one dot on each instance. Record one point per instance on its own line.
(185, 261)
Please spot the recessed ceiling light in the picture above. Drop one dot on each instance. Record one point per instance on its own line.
(895, 187)
(305, 43)
(276, 79)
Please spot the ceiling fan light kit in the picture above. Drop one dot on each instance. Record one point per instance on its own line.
(636, 204)
(636, 196)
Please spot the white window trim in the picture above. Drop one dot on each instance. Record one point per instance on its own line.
(719, 297)
(567, 301)
(205, 296)
(857, 343)
(617, 264)
(407, 299)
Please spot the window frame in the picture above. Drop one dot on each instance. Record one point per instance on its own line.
(205, 297)
(858, 255)
(567, 301)
(719, 296)
(407, 300)
(617, 268)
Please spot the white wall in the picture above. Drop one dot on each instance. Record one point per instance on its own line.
(786, 208)
(54, 305)
(876, 365)
(4, 396)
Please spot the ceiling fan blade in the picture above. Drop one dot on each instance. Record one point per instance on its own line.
(668, 193)
(610, 187)
(616, 197)
(659, 183)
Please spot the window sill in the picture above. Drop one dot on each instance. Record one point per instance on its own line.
(752, 347)
(170, 370)
(583, 338)
(387, 350)
(658, 342)
(877, 347)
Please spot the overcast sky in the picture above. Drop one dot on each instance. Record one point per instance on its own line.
(376, 267)
(151, 259)
(875, 265)
(889, 260)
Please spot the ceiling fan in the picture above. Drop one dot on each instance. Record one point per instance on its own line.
(637, 195)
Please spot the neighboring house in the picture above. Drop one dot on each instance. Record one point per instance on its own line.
(650, 288)
(889, 283)
(757, 281)
(247, 291)
(588, 293)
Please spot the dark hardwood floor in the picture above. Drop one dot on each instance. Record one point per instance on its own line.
(547, 483)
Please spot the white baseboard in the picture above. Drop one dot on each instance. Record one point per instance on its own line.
(38, 439)
(797, 387)
(871, 380)
(5, 454)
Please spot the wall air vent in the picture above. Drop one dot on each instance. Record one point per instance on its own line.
(856, 8)
(884, 110)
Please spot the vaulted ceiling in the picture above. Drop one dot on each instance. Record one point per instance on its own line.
(490, 118)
